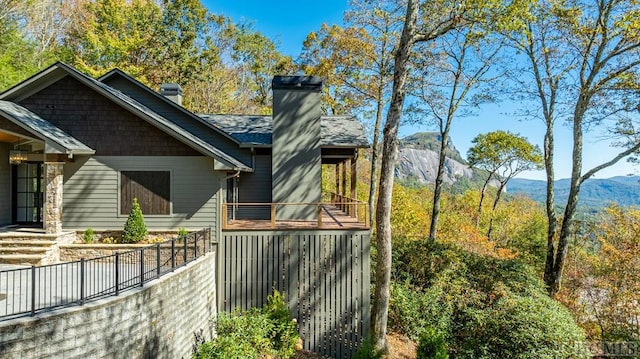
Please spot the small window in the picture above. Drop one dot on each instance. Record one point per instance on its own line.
(151, 188)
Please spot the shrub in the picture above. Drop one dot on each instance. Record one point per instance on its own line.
(87, 236)
(284, 335)
(367, 351)
(256, 333)
(432, 345)
(135, 229)
(182, 233)
(469, 305)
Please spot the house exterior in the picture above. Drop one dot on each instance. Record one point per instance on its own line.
(91, 145)
(75, 151)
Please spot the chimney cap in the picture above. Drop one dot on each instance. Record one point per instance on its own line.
(169, 89)
(313, 83)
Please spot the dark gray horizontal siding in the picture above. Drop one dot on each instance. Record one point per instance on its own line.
(169, 112)
(5, 185)
(255, 187)
(91, 192)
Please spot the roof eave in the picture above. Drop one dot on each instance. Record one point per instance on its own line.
(163, 98)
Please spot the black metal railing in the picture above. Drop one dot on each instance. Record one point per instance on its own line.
(30, 290)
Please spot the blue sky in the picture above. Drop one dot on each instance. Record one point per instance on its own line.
(289, 21)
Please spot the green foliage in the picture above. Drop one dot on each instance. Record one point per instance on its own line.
(257, 333)
(432, 345)
(87, 236)
(182, 233)
(520, 327)
(134, 229)
(503, 153)
(367, 351)
(472, 305)
(283, 335)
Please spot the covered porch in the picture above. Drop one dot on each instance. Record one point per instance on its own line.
(32, 157)
(338, 208)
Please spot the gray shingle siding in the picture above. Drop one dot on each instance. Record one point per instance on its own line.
(176, 116)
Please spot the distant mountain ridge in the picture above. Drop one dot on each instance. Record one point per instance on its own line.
(595, 192)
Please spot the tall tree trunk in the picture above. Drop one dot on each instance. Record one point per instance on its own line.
(483, 193)
(493, 209)
(437, 190)
(380, 309)
(554, 282)
(552, 221)
(374, 155)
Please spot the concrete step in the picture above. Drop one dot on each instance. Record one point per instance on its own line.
(26, 243)
(22, 259)
(23, 250)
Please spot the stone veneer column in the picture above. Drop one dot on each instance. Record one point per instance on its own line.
(53, 197)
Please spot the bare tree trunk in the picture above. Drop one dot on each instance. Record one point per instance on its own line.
(437, 190)
(374, 156)
(483, 193)
(554, 281)
(550, 205)
(493, 209)
(380, 309)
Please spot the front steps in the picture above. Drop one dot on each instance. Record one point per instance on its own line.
(24, 252)
(31, 247)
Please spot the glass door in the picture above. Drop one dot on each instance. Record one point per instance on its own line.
(28, 184)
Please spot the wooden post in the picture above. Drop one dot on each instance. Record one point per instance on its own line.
(344, 183)
(319, 215)
(353, 211)
(273, 215)
(224, 216)
(337, 192)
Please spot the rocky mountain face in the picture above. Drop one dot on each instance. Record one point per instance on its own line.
(418, 160)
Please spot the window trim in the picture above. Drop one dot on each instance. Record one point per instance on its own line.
(171, 188)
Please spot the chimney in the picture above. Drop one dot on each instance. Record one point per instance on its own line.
(172, 91)
(295, 154)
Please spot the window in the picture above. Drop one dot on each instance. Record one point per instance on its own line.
(151, 188)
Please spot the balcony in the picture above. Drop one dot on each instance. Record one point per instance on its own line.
(338, 212)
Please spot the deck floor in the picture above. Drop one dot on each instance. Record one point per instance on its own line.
(332, 218)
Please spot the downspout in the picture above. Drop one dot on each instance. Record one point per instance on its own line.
(234, 196)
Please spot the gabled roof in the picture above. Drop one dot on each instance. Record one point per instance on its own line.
(59, 70)
(44, 130)
(255, 130)
(141, 86)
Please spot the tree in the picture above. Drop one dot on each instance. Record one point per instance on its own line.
(423, 23)
(503, 155)
(258, 60)
(356, 63)
(18, 56)
(603, 283)
(449, 82)
(583, 58)
(134, 229)
(154, 42)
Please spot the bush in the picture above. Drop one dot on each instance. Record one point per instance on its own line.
(432, 345)
(135, 229)
(257, 333)
(469, 305)
(367, 351)
(520, 327)
(87, 236)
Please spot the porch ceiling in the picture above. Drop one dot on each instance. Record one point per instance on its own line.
(8, 138)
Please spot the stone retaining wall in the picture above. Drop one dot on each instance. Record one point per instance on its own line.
(75, 252)
(156, 321)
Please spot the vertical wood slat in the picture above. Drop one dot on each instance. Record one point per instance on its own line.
(325, 278)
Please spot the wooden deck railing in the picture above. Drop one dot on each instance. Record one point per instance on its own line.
(340, 213)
